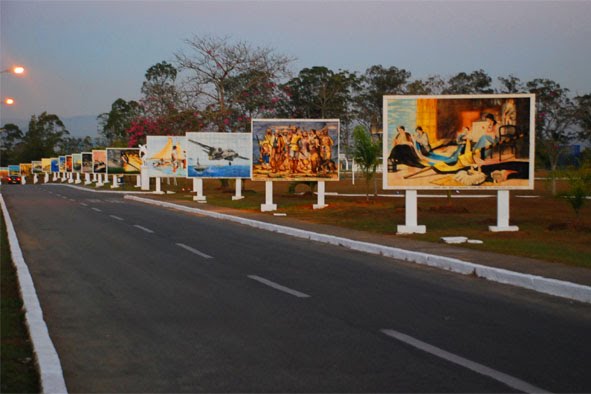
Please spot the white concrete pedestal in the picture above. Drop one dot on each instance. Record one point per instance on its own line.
(99, 181)
(238, 195)
(145, 179)
(268, 206)
(46, 178)
(321, 191)
(78, 180)
(198, 189)
(70, 177)
(138, 181)
(35, 179)
(158, 186)
(115, 184)
(87, 179)
(502, 213)
(23, 180)
(410, 209)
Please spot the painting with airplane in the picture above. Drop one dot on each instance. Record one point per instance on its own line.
(218, 155)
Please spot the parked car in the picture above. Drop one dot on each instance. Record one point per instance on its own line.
(12, 179)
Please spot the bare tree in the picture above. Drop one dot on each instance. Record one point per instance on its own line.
(213, 64)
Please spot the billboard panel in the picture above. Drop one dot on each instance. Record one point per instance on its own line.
(36, 167)
(86, 163)
(55, 164)
(26, 169)
(166, 156)
(46, 165)
(14, 169)
(62, 163)
(295, 149)
(459, 142)
(77, 162)
(99, 161)
(69, 163)
(123, 161)
(218, 155)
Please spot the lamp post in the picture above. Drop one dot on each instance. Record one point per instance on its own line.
(17, 70)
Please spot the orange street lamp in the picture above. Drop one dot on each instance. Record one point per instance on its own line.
(8, 101)
(18, 70)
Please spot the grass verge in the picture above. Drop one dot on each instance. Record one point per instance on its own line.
(18, 370)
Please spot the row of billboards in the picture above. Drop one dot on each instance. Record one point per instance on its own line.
(429, 142)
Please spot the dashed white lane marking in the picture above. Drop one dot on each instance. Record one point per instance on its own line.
(476, 367)
(71, 199)
(116, 217)
(279, 287)
(83, 204)
(143, 228)
(193, 250)
(96, 209)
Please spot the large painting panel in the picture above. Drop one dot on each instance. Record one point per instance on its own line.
(218, 155)
(87, 162)
(123, 161)
(295, 149)
(166, 156)
(459, 142)
(99, 161)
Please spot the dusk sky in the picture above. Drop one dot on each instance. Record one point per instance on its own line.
(83, 55)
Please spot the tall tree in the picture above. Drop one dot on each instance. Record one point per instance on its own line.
(583, 117)
(10, 137)
(160, 94)
(115, 123)
(555, 117)
(474, 83)
(375, 83)
(45, 138)
(214, 64)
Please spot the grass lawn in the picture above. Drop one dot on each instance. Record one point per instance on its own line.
(19, 373)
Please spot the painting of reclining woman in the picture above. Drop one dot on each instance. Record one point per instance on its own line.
(295, 149)
(459, 142)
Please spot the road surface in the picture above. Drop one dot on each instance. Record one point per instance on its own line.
(144, 299)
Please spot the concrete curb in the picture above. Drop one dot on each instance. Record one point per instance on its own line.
(48, 362)
(98, 191)
(540, 284)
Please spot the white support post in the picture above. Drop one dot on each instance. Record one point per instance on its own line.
(198, 188)
(321, 190)
(94, 177)
(145, 178)
(106, 178)
(23, 180)
(70, 177)
(115, 184)
(502, 213)
(411, 226)
(55, 177)
(268, 206)
(138, 181)
(78, 178)
(158, 186)
(87, 179)
(46, 178)
(35, 179)
(99, 181)
(238, 195)
(352, 171)
(63, 177)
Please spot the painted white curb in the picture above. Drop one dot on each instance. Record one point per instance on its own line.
(97, 191)
(540, 284)
(50, 368)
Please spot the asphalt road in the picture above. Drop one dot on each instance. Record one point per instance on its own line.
(143, 299)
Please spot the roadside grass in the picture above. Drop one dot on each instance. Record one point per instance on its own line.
(548, 227)
(18, 371)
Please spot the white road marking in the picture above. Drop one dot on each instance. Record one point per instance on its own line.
(96, 209)
(83, 204)
(143, 228)
(476, 367)
(116, 217)
(193, 250)
(71, 199)
(279, 287)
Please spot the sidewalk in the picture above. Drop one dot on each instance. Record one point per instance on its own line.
(576, 275)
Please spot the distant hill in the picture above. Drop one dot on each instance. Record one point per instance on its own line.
(78, 126)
